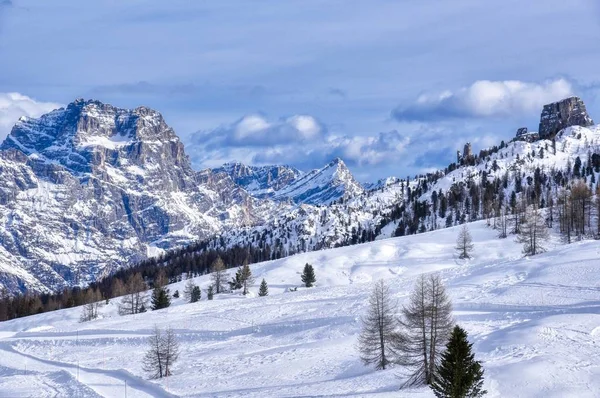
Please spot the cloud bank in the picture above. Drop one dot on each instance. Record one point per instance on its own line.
(485, 99)
(15, 105)
(299, 140)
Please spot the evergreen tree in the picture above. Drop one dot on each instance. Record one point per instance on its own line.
(264, 289)
(459, 375)
(189, 289)
(308, 275)
(246, 277)
(160, 296)
(196, 294)
(176, 294)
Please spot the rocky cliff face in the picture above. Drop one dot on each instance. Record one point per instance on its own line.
(91, 187)
(565, 113)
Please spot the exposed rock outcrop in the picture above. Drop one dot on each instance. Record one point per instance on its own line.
(565, 113)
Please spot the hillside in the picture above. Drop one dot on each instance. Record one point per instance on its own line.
(535, 323)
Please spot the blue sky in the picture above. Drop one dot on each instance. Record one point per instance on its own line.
(393, 87)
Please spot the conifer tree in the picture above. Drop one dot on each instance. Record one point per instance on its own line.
(246, 277)
(160, 295)
(196, 294)
(188, 290)
(264, 289)
(308, 275)
(160, 298)
(459, 375)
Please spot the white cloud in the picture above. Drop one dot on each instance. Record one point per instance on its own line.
(485, 98)
(256, 131)
(15, 105)
(299, 140)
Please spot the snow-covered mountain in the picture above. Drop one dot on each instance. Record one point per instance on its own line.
(90, 188)
(282, 183)
(533, 322)
(260, 181)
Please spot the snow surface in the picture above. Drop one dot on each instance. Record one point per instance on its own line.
(534, 322)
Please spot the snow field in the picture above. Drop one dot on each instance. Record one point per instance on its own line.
(534, 322)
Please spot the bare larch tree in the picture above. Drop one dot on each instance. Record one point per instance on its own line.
(379, 327)
(533, 233)
(426, 323)
(464, 243)
(135, 299)
(219, 275)
(162, 352)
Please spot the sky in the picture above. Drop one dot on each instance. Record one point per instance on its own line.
(393, 87)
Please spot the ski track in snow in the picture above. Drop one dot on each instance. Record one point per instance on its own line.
(534, 322)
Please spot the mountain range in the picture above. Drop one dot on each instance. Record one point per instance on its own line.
(90, 188)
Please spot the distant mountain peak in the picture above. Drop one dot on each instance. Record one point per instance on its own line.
(283, 183)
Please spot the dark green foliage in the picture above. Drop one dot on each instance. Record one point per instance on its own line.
(160, 298)
(196, 294)
(264, 289)
(308, 275)
(237, 281)
(459, 375)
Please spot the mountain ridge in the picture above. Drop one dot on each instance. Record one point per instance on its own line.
(118, 188)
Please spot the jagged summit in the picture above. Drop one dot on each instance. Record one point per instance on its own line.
(87, 133)
(285, 183)
(323, 186)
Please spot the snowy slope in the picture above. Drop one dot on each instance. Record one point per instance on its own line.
(535, 323)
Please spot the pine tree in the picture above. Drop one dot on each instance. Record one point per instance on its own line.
(196, 294)
(459, 375)
(246, 278)
(188, 291)
(160, 298)
(308, 275)
(236, 282)
(464, 243)
(264, 289)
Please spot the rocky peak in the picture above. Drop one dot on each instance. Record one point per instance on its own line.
(323, 186)
(88, 134)
(260, 181)
(565, 113)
